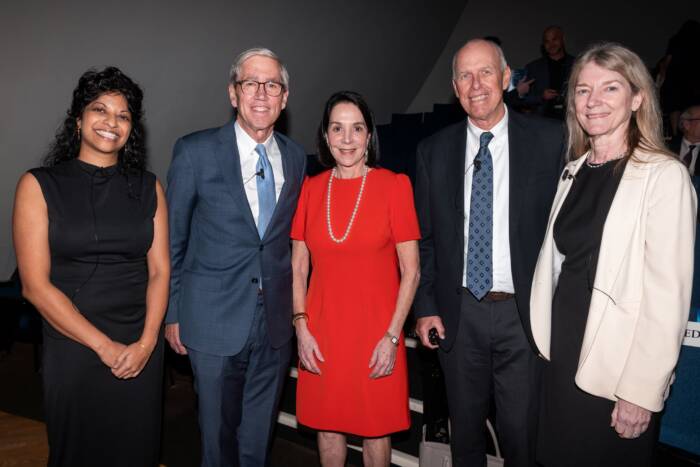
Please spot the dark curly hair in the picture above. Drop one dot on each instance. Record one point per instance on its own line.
(324, 152)
(93, 84)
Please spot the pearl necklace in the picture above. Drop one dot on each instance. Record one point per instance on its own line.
(354, 211)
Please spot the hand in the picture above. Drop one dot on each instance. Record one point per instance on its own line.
(109, 352)
(523, 86)
(132, 360)
(550, 94)
(308, 349)
(424, 325)
(629, 420)
(172, 335)
(383, 358)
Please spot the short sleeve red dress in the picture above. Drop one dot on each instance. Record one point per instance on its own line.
(351, 300)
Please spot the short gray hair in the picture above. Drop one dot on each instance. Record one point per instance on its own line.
(235, 72)
(687, 113)
(499, 51)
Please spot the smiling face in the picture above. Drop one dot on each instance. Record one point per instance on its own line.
(479, 83)
(104, 128)
(347, 137)
(258, 113)
(604, 102)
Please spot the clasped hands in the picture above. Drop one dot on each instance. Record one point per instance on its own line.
(125, 361)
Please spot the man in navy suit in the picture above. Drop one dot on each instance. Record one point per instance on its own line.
(484, 187)
(232, 192)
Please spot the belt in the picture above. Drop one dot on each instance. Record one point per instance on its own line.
(498, 296)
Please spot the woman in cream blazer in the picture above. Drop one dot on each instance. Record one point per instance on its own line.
(638, 294)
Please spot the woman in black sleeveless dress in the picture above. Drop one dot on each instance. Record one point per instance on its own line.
(90, 233)
(611, 290)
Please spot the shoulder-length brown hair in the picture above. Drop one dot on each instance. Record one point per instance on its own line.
(645, 129)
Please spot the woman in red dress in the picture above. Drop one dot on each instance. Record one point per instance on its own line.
(357, 227)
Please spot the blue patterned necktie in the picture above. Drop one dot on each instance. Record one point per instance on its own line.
(266, 189)
(479, 253)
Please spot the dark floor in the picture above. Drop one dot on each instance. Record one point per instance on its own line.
(20, 394)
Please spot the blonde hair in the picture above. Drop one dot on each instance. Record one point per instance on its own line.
(645, 127)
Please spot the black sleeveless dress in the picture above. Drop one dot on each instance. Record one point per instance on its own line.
(100, 230)
(574, 427)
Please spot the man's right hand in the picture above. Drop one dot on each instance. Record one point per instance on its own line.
(423, 327)
(172, 335)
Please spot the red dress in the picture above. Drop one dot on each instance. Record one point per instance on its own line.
(351, 300)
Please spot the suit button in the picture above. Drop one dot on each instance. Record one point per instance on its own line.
(254, 280)
(261, 247)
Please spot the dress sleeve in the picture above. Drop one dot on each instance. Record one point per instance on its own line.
(402, 211)
(298, 231)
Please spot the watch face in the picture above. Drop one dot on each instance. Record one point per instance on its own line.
(394, 340)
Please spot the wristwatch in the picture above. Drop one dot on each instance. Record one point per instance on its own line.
(394, 339)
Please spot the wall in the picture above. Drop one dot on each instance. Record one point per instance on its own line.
(180, 52)
(644, 26)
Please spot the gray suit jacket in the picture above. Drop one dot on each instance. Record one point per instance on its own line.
(216, 253)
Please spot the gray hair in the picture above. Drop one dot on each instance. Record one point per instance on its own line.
(499, 51)
(687, 113)
(257, 51)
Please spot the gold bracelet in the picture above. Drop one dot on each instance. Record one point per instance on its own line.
(298, 316)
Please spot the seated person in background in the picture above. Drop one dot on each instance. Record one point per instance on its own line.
(542, 88)
(687, 144)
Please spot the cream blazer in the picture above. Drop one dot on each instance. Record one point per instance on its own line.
(641, 293)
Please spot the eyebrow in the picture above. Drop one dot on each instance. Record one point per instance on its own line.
(611, 81)
(105, 105)
(353, 123)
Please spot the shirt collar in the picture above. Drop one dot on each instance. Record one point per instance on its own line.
(687, 143)
(246, 144)
(499, 129)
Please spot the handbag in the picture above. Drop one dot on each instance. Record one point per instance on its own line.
(434, 454)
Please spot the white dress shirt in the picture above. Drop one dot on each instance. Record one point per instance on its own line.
(502, 274)
(249, 159)
(685, 147)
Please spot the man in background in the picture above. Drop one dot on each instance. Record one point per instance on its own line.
(544, 87)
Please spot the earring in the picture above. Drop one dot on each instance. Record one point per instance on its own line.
(77, 132)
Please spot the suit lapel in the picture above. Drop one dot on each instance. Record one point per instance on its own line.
(230, 165)
(288, 172)
(457, 150)
(518, 172)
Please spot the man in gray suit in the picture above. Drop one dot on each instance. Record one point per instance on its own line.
(232, 192)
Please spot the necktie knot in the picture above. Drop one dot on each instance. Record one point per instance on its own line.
(485, 139)
(262, 152)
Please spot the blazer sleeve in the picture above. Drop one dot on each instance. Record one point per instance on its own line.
(424, 304)
(667, 284)
(181, 195)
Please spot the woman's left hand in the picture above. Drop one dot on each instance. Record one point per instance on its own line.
(132, 360)
(629, 420)
(383, 358)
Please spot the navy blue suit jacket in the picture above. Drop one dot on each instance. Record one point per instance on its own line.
(217, 255)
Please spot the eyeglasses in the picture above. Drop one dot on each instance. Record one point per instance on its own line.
(250, 87)
(690, 119)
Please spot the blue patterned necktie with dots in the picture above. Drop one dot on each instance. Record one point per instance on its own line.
(479, 252)
(266, 189)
